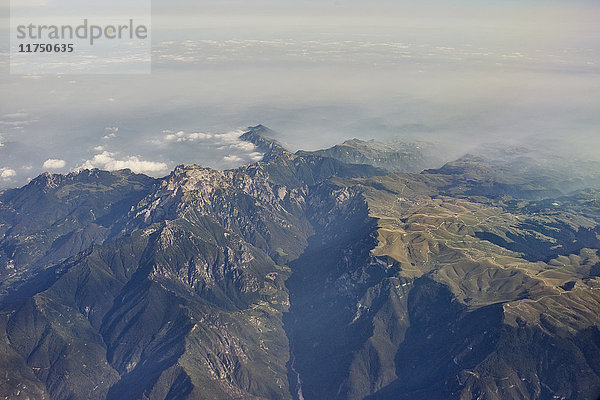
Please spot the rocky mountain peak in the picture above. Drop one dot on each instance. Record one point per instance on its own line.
(261, 137)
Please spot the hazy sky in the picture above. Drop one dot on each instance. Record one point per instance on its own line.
(456, 72)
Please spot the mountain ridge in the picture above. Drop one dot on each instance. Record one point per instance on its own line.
(298, 276)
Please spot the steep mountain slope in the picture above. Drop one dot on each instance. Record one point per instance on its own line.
(300, 276)
(435, 310)
(181, 294)
(55, 217)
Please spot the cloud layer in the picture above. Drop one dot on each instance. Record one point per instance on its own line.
(107, 161)
(7, 173)
(234, 151)
(53, 163)
(318, 73)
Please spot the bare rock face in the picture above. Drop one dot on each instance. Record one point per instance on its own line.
(301, 277)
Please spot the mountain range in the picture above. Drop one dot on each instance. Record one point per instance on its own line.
(364, 271)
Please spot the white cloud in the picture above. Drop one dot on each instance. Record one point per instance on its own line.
(232, 158)
(227, 146)
(181, 136)
(111, 132)
(15, 124)
(107, 161)
(199, 136)
(16, 121)
(99, 148)
(7, 173)
(229, 137)
(53, 163)
(244, 146)
(18, 115)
